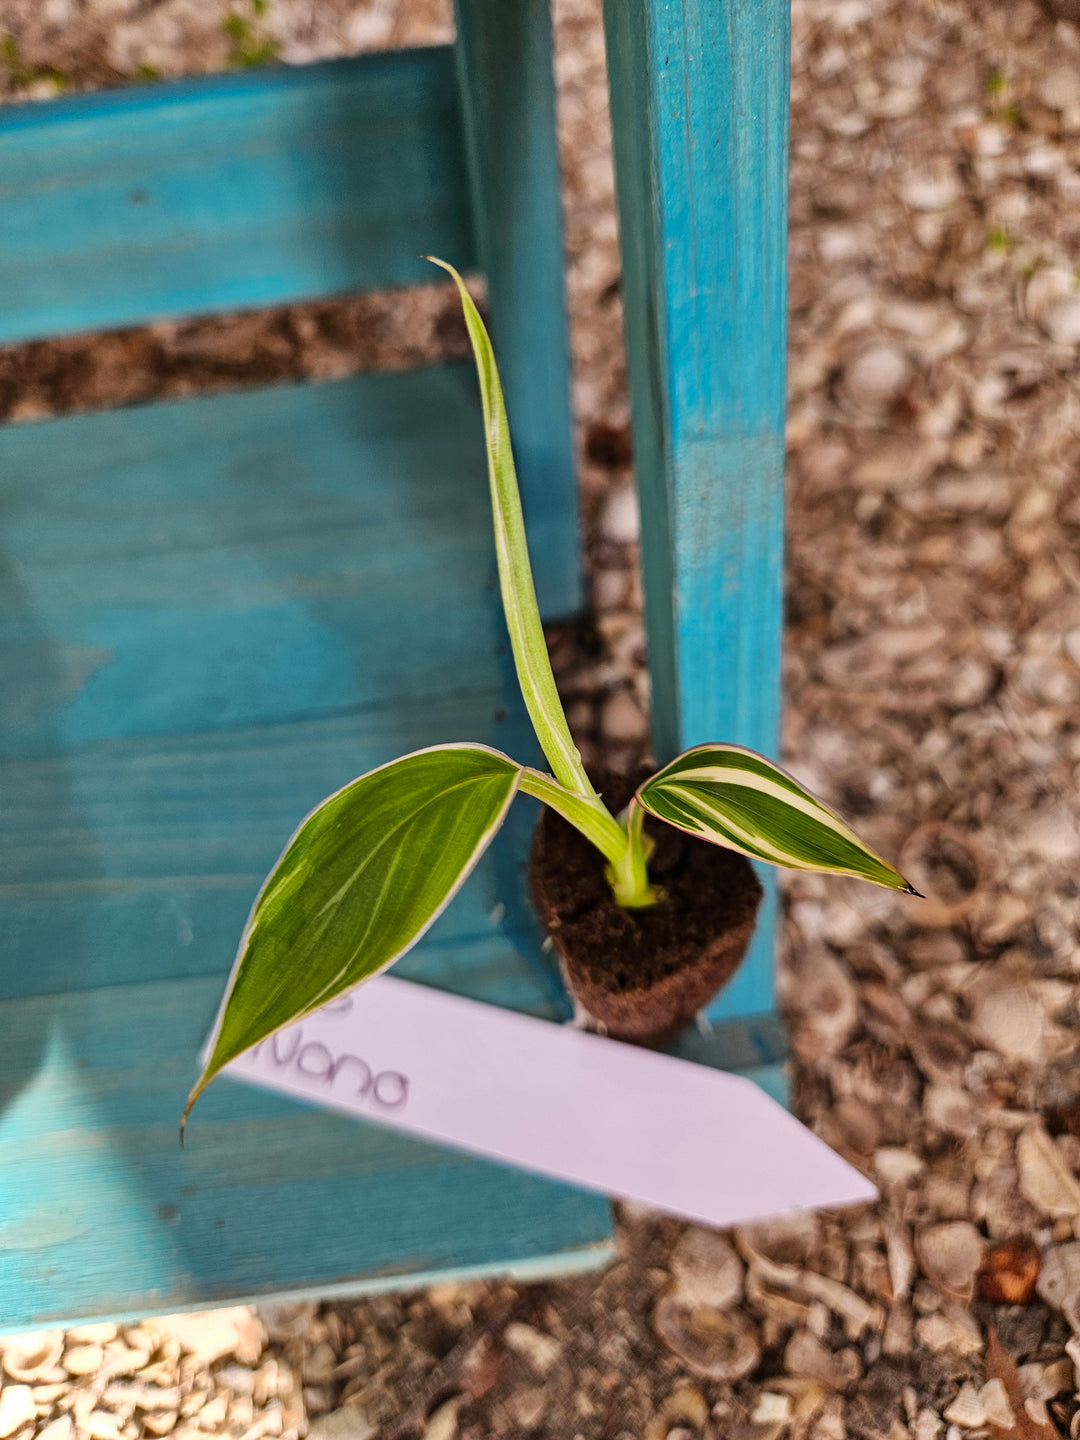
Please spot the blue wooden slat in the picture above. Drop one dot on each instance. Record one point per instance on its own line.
(700, 115)
(212, 613)
(508, 98)
(244, 558)
(234, 191)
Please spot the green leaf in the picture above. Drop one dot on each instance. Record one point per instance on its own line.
(365, 875)
(515, 573)
(737, 798)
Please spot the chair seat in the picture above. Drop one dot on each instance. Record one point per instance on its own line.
(212, 614)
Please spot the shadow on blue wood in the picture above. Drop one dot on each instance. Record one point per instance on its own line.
(754, 1046)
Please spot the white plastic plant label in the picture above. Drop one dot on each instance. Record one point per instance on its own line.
(631, 1123)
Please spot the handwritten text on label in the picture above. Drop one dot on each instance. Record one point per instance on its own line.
(338, 1073)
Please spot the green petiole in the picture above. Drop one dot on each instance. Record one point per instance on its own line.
(629, 876)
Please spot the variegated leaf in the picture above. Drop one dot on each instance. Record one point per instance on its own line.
(736, 798)
(366, 874)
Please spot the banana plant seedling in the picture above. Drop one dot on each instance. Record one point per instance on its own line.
(373, 866)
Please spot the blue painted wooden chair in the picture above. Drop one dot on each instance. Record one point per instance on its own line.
(215, 611)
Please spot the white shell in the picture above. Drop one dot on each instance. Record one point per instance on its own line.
(1059, 1278)
(950, 1256)
(967, 1409)
(1045, 1179)
(17, 1408)
(706, 1269)
(709, 1342)
(30, 1358)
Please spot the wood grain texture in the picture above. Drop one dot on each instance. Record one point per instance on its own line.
(504, 54)
(229, 192)
(699, 92)
(213, 613)
(245, 558)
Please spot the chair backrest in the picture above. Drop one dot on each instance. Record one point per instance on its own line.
(285, 184)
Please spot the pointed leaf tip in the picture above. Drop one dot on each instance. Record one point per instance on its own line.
(192, 1098)
(735, 797)
(366, 874)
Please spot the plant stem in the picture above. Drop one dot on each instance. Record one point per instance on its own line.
(625, 847)
(586, 813)
(629, 876)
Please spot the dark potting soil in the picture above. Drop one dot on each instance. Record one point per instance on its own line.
(650, 970)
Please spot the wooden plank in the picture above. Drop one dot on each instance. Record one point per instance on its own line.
(102, 1213)
(508, 99)
(245, 558)
(699, 99)
(229, 192)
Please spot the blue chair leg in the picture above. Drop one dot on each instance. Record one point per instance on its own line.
(699, 96)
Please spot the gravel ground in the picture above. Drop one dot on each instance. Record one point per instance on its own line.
(933, 679)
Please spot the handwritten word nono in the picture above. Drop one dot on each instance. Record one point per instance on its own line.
(339, 1074)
